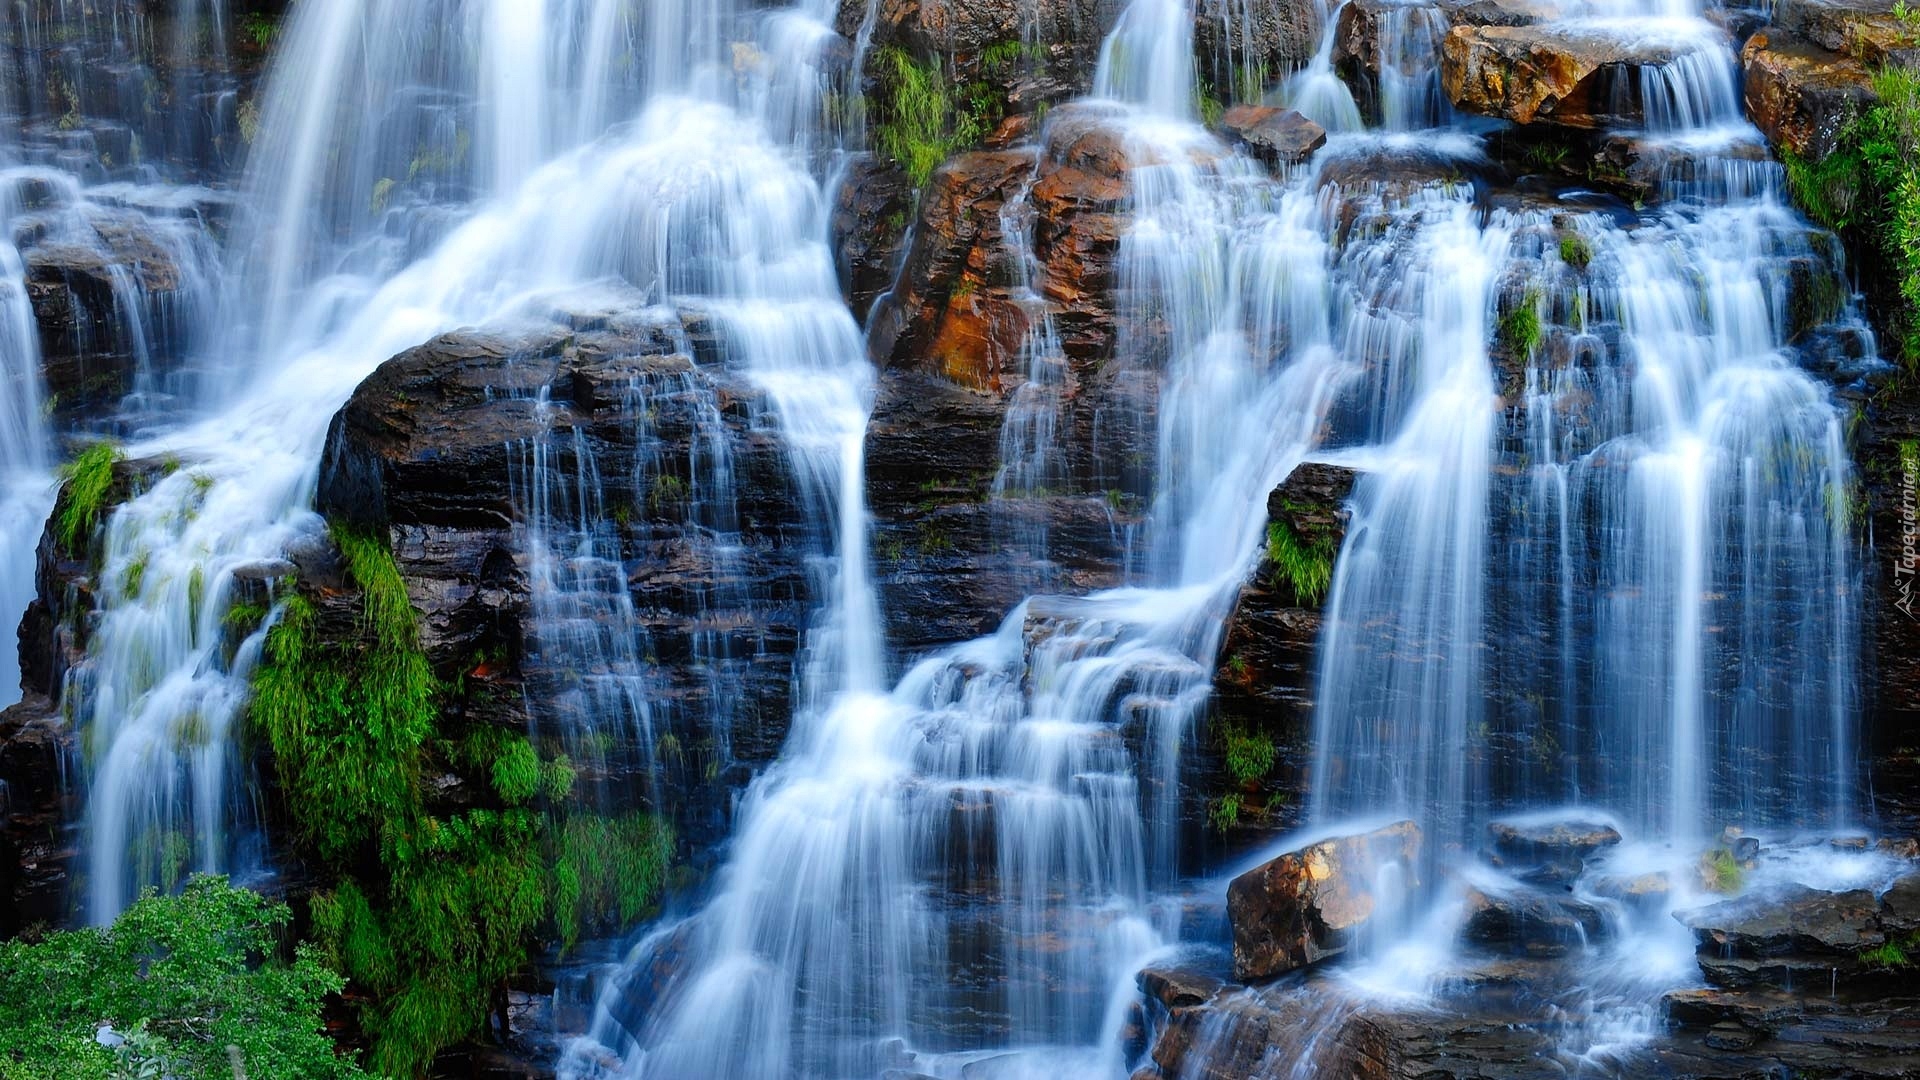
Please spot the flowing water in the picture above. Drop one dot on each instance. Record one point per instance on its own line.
(1604, 563)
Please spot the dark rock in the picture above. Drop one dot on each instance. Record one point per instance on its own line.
(1270, 38)
(38, 808)
(872, 209)
(1529, 922)
(1866, 30)
(1525, 841)
(1307, 905)
(1798, 936)
(1276, 136)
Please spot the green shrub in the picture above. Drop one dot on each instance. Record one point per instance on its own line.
(182, 979)
(1305, 564)
(1520, 329)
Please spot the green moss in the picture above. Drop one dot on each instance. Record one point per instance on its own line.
(431, 910)
(1520, 329)
(1305, 564)
(1575, 251)
(1891, 956)
(89, 477)
(1249, 754)
(1722, 872)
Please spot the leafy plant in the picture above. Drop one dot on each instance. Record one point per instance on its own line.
(1520, 329)
(190, 985)
(1303, 563)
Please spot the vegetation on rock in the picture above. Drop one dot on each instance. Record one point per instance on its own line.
(431, 908)
(1868, 190)
(923, 117)
(179, 986)
(89, 478)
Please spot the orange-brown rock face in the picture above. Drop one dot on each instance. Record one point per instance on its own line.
(1534, 74)
(1800, 95)
(1307, 905)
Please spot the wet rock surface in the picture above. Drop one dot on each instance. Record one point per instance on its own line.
(1800, 95)
(1276, 136)
(1802, 937)
(38, 807)
(1544, 73)
(1307, 905)
(441, 448)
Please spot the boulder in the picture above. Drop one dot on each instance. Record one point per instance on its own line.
(1311, 904)
(1799, 936)
(1800, 95)
(1178, 987)
(1543, 73)
(1530, 922)
(1534, 840)
(1275, 136)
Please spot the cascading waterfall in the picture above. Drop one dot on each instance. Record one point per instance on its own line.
(687, 203)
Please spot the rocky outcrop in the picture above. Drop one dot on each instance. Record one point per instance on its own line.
(1799, 95)
(1530, 922)
(956, 546)
(449, 448)
(1871, 31)
(1801, 937)
(1544, 73)
(1241, 48)
(872, 209)
(1307, 905)
(38, 808)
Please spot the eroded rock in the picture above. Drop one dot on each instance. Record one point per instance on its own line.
(1308, 905)
(1560, 74)
(1799, 95)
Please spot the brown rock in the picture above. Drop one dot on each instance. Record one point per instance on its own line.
(1307, 905)
(1866, 30)
(1276, 136)
(871, 211)
(1543, 73)
(1529, 922)
(1800, 95)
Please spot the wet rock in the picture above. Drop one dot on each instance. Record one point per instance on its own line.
(1799, 95)
(1547, 74)
(38, 806)
(1307, 905)
(1177, 987)
(1867, 30)
(1796, 936)
(1275, 136)
(1529, 922)
(1237, 44)
(872, 209)
(1529, 840)
(109, 309)
(1645, 893)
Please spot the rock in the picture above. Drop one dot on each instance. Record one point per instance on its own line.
(1529, 922)
(1015, 55)
(1533, 840)
(1176, 987)
(1645, 893)
(872, 208)
(1866, 30)
(1276, 136)
(1546, 74)
(1788, 938)
(1271, 38)
(113, 294)
(1799, 95)
(1308, 905)
(435, 452)
(38, 808)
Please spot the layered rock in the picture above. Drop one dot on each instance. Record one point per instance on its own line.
(1275, 136)
(1800, 95)
(1311, 904)
(956, 546)
(1565, 75)
(1800, 937)
(447, 448)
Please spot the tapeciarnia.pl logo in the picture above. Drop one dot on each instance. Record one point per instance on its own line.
(1906, 562)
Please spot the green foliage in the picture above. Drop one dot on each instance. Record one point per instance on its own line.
(1575, 251)
(182, 979)
(1303, 563)
(922, 116)
(1224, 812)
(1249, 755)
(89, 477)
(259, 30)
(1722, 873)
(1520, 329)
(431, 911)
(1869, 187)
(607, 871)
(1893, 954)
